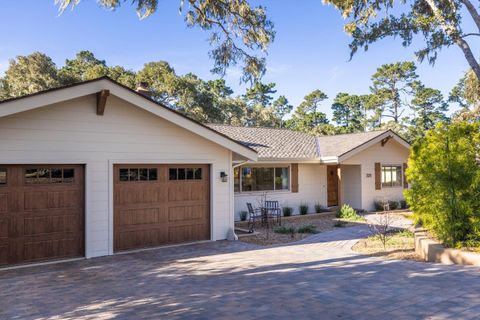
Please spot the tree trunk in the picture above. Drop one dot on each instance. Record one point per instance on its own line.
(453, 32)
(467, 52)
(473, 12)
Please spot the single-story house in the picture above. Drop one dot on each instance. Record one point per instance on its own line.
(96, 168)
(297, 168)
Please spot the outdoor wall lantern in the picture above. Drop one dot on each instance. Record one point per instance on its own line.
(223, 176)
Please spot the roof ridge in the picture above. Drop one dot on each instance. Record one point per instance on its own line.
(352, 133)
(250, 127)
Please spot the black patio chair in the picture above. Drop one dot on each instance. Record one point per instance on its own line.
(254, 214)
(274, 211)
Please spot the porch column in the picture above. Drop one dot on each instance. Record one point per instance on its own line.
(340, 186)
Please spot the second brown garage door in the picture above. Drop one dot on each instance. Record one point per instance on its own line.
(160, 204)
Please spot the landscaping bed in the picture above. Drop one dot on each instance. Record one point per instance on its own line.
(400, 245)
(312, 223)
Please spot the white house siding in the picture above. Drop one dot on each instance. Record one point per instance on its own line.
(392, 153)
(352, 188)
(312, 181)
(71, 132)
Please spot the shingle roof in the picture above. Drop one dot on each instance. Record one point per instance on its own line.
(337, 145)
(271, 143)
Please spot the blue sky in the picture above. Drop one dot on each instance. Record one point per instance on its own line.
(310, 50)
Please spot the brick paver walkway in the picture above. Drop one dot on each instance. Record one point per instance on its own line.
(317, 278)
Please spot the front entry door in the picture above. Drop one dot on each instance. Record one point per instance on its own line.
(332, 186)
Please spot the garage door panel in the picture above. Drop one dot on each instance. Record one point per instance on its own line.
(49, 224)
(63, 199)
(199, 192)
(160, 211)
(35, 201)
(187, 233)
(4, 199)
(186, 213)
(179, 192)
(44, 215)
(140, 194)
(142, 238)
(140, 216)
(4, 223)
(50, 249)
(3, 255)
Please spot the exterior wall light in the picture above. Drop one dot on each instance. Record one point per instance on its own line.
(223, 176)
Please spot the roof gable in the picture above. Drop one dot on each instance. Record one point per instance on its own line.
(52, 96)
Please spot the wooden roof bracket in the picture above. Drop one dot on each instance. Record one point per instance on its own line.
(385, 140)
(102, 101)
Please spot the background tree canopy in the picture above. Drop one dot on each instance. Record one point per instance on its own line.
(239, 32)
(397, 98)
(439, 22)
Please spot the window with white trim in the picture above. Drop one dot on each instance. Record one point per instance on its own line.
(391, 176)
(250, 179)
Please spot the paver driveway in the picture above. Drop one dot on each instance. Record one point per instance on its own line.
(318, 278)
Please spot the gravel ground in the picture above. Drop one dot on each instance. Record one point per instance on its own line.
(322, 221)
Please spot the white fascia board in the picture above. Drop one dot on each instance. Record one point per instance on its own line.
(332, 159)
(50, 97)
(284, 160)
(370, 143)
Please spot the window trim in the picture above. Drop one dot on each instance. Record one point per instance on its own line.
(240, 191)
(401, 175)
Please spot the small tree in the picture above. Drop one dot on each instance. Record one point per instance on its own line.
(381, 227)
(444, 173)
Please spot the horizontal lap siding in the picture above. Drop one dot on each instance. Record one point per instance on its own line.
(72, 132)
(312, 181)
(392, 153)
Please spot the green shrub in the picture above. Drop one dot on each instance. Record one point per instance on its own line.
(303, 209)
(319, 208)
(284, 230)
(393, 205)
(243, 215)
(348, 213)
(339, 224)
(287, 211)
(309, 228)
(379, 205)
(445, 182)
(403, 204)
(405, 233)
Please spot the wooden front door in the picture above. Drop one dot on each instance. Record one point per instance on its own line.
(160, 204)
(41, 212)
(332, 186)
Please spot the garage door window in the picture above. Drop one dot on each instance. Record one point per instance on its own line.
(3, 176)
(138, 174)
(185, 174)
(48, 176)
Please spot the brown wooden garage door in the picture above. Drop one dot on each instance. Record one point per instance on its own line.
(41, 212)
(160, 204)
